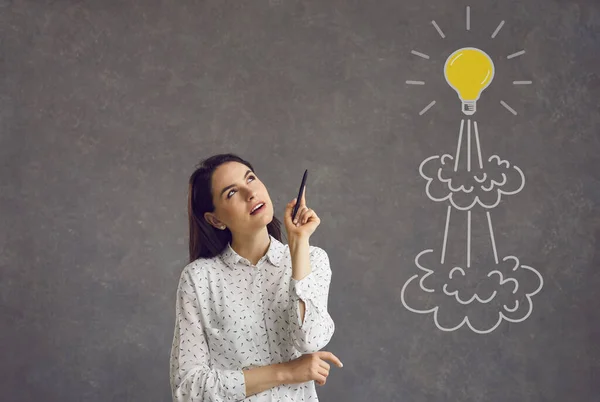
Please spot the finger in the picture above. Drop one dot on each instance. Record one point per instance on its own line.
(295, 218)
(323, 372)
(303, 199)
(305, 213)
(324, 364)
(300, 213)
(331, 357)
(309, 213)
(290, 205)
(289, 209)
(321, 379)
(316, 218)
(302, 218)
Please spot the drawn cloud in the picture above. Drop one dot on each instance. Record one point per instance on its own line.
(464, 188)
(479, 296)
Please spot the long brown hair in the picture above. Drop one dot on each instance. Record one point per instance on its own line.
(205, 240)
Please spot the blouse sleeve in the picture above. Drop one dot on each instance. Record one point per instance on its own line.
(192, 377)
(315, 332)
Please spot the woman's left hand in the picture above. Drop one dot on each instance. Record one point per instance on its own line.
(307, 219)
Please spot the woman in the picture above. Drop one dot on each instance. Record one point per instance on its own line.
(251, 312)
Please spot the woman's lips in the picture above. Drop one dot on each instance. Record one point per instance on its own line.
(259, 210)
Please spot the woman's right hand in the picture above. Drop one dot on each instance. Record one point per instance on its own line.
(311, 367)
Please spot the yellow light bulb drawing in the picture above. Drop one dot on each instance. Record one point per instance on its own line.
(469, 71)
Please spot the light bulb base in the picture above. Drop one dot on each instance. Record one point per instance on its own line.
(469, 107)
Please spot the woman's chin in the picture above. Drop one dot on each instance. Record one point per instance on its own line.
(263, 219)
(268, 218)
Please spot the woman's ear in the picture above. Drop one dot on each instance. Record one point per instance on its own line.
(213, 221)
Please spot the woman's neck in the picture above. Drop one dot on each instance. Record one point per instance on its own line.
(252, 247)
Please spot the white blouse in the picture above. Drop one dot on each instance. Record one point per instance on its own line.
(232, 315)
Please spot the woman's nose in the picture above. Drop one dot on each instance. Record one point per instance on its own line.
(251, 194)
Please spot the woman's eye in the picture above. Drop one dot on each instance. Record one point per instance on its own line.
(229, 194)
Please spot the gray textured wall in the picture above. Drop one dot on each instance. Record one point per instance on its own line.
(105, 107)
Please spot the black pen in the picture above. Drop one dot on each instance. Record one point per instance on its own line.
(295, 211)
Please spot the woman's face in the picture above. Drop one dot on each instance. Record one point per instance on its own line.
(236, 190)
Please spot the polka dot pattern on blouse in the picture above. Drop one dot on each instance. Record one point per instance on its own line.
(232, 315)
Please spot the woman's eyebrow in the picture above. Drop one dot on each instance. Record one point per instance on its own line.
(233, 185)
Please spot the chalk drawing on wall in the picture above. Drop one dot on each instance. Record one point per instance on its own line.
(457, 289)
(469, 71)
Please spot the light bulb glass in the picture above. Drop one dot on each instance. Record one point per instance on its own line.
(469, 71)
